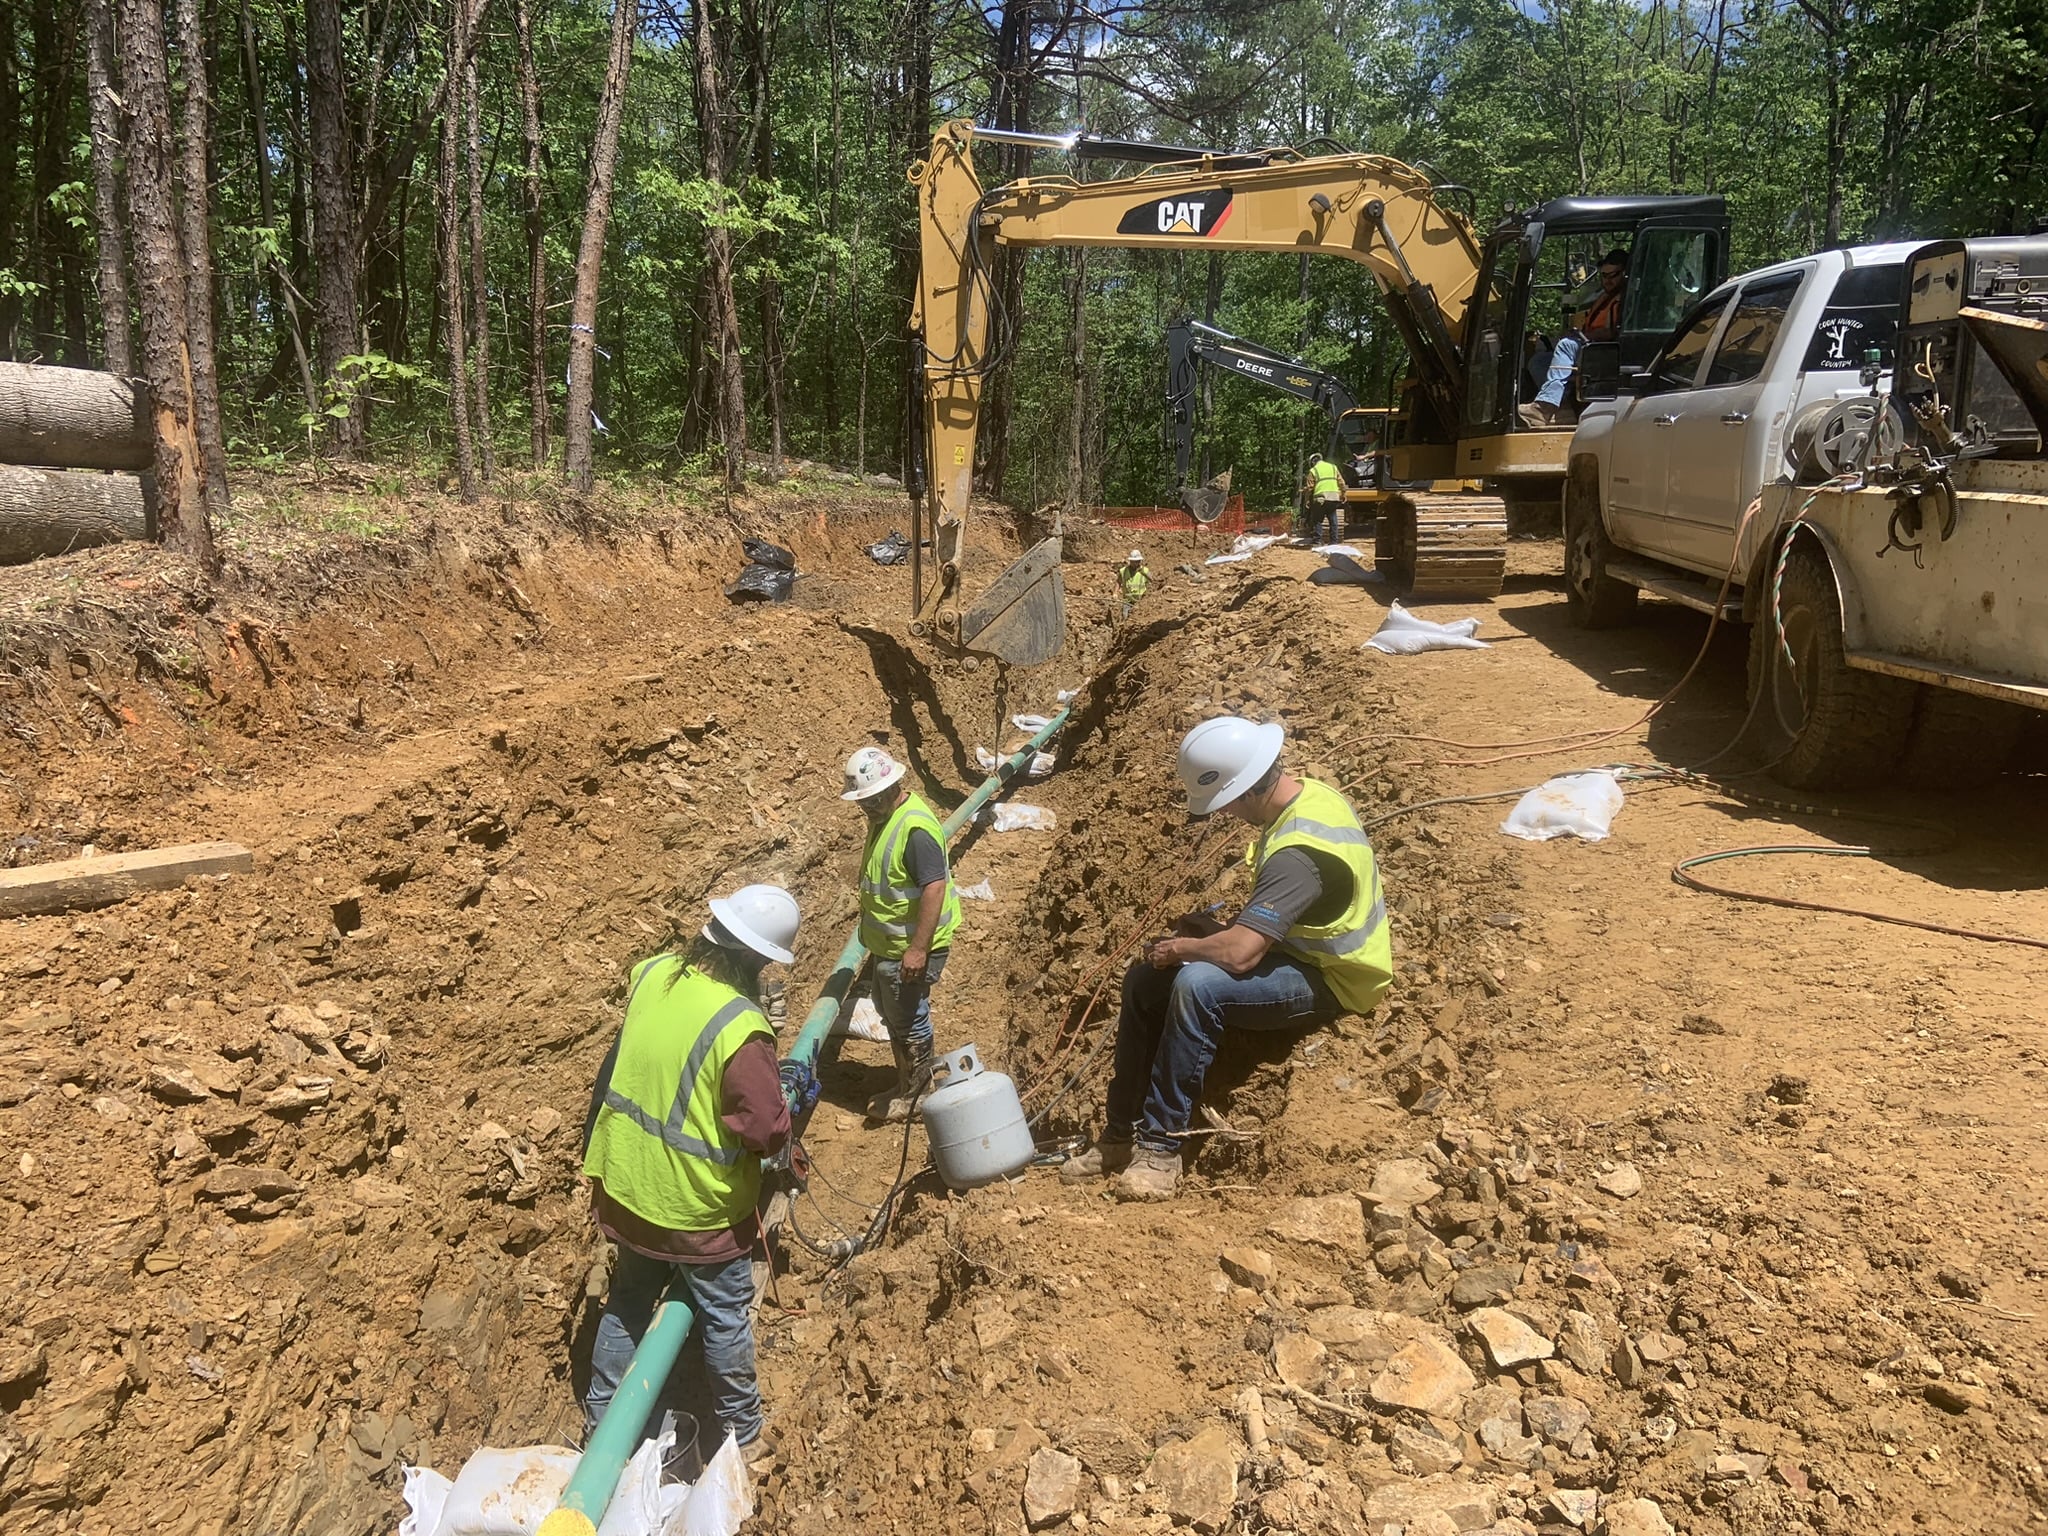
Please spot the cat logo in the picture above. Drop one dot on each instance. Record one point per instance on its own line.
(1199, 214)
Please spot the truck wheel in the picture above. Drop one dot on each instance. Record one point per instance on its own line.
(1960, 740)
(1833, 725)
(1594, 598)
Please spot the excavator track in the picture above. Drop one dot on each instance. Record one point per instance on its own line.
(1443, 546)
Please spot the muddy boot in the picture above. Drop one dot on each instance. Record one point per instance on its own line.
(913, 1073)
(1152, 1175)
(1104, 1157)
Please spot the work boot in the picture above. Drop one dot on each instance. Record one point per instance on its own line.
(1153, 1174)
(1105, 1156)
(913, 1073)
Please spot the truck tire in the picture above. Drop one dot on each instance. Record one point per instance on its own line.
(1594, 599)
(1959, 740)
(1834, 726)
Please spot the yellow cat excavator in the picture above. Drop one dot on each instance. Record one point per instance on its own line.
(1470, 311)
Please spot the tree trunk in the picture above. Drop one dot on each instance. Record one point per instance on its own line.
(73, 417)
(46, 512)
(1077, 427)
(536, 243)
(479, 289)
(448, 227)
(194, 206)
(281, 300)
(10, 190)
(764, 19)
(597, 213)
(831, 337)
(730, 388)
(118, 346)
(183, 517)
(334, 221)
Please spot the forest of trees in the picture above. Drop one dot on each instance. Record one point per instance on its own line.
(674, 236)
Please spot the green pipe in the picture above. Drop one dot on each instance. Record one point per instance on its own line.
(590, 1487)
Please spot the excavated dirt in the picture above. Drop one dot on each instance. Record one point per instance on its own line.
(287, 1164)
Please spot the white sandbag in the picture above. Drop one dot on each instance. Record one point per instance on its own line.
(506, 1493)
(1226, 559)
(426, 1495)
(1573, 805)
(981, 890)
(1032, 723)
(1401, 633)
(1245, 546)
(1016, 818)
(1041, 762)
(861, 1022)
(642, 1504)
(720, 1501)
(1339, 549)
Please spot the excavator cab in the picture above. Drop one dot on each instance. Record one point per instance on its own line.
(1537, 271)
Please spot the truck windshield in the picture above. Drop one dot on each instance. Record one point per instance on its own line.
(1862, 312)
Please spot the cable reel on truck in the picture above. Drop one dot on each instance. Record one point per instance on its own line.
(1840, 437)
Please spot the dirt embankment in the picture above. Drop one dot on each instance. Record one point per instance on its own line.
(287, 1188)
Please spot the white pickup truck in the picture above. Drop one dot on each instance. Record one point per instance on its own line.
(1765, 448)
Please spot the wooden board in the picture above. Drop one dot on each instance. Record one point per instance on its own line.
(70, 884)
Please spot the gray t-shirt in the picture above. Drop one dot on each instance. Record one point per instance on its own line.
(1297, 885)
(925, 859)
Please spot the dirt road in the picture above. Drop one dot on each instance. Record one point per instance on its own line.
(288, 1191)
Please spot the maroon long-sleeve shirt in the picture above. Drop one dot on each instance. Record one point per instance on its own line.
(752, 1107)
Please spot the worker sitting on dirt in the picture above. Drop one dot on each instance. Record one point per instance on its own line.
(908, 915)
(686, 1105)
(1134, 580)
(1597, 318)
(1311, 943)
(1324, 489)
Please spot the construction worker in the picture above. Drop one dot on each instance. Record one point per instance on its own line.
(1324, 489)
(1595, 312)
(908, 915)
(1311, 943)
(1134, 580)
(687, 1103)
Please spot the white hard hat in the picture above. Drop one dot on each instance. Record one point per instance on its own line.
(870, 771)
(762, 917)
(1222, 758)
(1137, 557)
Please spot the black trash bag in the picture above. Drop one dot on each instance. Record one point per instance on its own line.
(762, 584)
(761, 552)
(893, 550)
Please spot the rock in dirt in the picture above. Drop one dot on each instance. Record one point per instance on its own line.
(1469, 1506)
(1509, 1341)
(1426, 1376)
(1326, 1221)
(1559, 1420)
(177, 1085)
(1251, 1267)
(1575, 1506)
(1659, 1348)
(1485, 1287)
(1635, 1517)
(1955, 1397)
(1198, 1478)
(1424, 1450)
(1403, 1181)
(23, 1364)
(242, 1179)
(1581, 1343)
(1789, 1088)
(1298, 1360)
(1052, 1487)
(1623, 1181)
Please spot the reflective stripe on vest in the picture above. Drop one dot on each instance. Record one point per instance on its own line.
(659, 1144)
(1355, 951)
(1136, 583)
(888, 894)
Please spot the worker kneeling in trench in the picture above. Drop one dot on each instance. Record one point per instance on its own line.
(1311, 943)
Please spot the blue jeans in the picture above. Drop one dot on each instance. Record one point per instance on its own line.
(1172, 1022)
(717, 1364)
(906, 1007)
(1564, 361)
(1330, 515)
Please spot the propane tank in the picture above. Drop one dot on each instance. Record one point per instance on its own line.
(975, 1122)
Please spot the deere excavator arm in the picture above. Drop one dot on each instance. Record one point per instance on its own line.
(1366, 208)
(1191, 341)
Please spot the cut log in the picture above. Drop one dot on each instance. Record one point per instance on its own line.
(73, 884)
(54, 511)
(72, 418)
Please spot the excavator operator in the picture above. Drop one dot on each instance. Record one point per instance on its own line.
(1597, 318)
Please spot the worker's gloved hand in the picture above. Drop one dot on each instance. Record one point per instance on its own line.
(800, 1086)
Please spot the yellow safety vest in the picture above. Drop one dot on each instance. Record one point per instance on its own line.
(1328, 484)
(1355, 953)
(888, 897)
(658, 1142)
(1136, 583)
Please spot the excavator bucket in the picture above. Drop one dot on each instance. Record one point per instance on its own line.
(1022, 618)
(1204, 503)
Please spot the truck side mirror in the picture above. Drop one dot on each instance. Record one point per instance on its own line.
(1600, 373)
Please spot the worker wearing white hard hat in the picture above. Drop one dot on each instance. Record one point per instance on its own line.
(1310, 943)
(1134, 580)
(909, 913)
(687, 1104)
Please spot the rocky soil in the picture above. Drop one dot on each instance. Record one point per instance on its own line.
(1633, 1210)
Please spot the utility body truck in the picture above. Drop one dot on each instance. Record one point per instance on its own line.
(1846, 451)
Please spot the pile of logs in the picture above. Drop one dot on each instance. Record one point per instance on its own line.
(75, 452)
